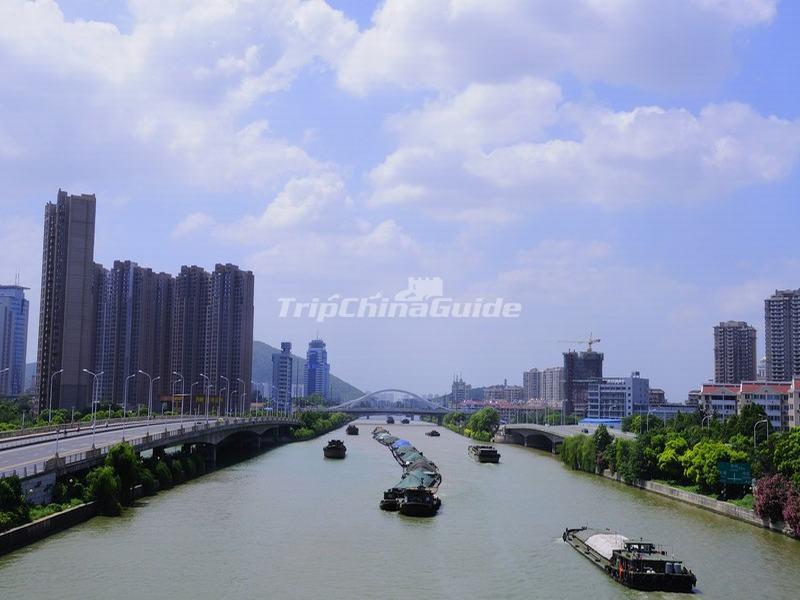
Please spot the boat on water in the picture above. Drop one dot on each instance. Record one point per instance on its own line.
(484, 454)
(405, 421)
(335, 449)
(432, 433)
(352, 430)
(390, 420)
(415, 494)
(640, 565)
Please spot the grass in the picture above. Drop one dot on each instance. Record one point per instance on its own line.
(40, 512)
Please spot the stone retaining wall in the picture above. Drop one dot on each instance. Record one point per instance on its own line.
(33, 532)
(718, 506)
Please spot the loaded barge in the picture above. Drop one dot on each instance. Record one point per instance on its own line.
(415, 494)
(335, 449)
(484, 454)
(639, 564)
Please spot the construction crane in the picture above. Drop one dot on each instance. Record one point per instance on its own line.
(589, 342)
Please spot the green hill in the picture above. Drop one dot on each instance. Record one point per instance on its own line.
(341, 391)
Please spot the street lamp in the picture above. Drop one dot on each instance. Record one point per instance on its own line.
(208, 389)
(228, 396)
(94, 400)
(766, 422)
(50, 398)
(182, 391)
(242, 395)
(191, 395)
(149, 392)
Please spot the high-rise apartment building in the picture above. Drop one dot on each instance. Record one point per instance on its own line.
(13, 339)
(317, 370)
(553, 386)
(189, 319)
(532, 384)
(66, 312)
(282, 372)
(735, 354)
(782, 333)
(459, 391)
(580, 369)
(229, 335)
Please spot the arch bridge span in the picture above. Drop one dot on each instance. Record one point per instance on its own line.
(377, 403)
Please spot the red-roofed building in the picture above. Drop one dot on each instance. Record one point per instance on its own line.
(775, 397)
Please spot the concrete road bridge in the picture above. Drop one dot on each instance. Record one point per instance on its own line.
(548, 438)
(38, 465)
(385, 402)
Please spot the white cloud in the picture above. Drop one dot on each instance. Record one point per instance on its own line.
(192, 224)
(454, 156)
(446, 44)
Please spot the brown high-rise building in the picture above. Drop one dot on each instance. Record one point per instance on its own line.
(735, 354)
(230, 334)
(66, 314)
(189, 319)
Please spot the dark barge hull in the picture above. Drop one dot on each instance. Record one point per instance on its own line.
(647, 582)
(334, 452)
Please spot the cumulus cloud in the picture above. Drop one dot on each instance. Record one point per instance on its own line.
(446, 44)
(455, 156)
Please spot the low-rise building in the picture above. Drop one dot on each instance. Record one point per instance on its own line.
(618, 397)
(775, 397)
(504, 393)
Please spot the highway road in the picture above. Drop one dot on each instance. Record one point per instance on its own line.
(26, 456)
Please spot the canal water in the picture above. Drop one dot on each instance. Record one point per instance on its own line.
(289, 524)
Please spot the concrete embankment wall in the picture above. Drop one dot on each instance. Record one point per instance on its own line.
(33, 532)
(717, 506)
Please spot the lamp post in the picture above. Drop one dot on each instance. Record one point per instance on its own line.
(50, 398)
(766, 422)
(191, 395)
(242, 395)
(94, 398)
(182, 391)
(125, 403)
(149, 392)
(208, 387)
(228, 396)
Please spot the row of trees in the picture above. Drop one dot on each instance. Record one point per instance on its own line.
(313, 423)
(687, 451)
(481, 425)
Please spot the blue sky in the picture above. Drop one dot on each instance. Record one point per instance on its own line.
(623, 167)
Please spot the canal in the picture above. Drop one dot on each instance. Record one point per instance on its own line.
(289, 524)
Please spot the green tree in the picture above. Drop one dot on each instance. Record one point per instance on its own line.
(127, 465)
(103, 486)
(786, 458)
(669, 461)
(486, 419)
(163, 474)
(14, 510)
(700, 463)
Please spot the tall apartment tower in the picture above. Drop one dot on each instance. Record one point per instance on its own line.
(133, 332)
(317, 370)
(189, 323)
(230, 334)
(782, 332)
(66, 313)
(532, 384)
(735, 354)
(552, 388)
(580, 369)
(13, 339)
(282, 372)
(460, 391)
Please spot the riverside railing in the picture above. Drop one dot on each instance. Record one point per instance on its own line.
(55, 462)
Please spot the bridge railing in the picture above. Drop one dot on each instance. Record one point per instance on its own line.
(144, 442)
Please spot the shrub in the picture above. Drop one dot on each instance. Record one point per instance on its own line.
(791, 511)
(103, 486)
(188, 467)
(164, 475)
(14, 510)
(178, 476)
(770, 496)
(125, 462)
(148, 481)
(303, 433)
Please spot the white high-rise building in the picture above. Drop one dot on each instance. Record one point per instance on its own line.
(618, 397)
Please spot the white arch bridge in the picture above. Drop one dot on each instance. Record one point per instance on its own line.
(384, 402)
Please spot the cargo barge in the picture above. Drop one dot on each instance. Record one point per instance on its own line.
(638, 564)
(484, 454)
(352, 430)
(335, 449)
(415, 494)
